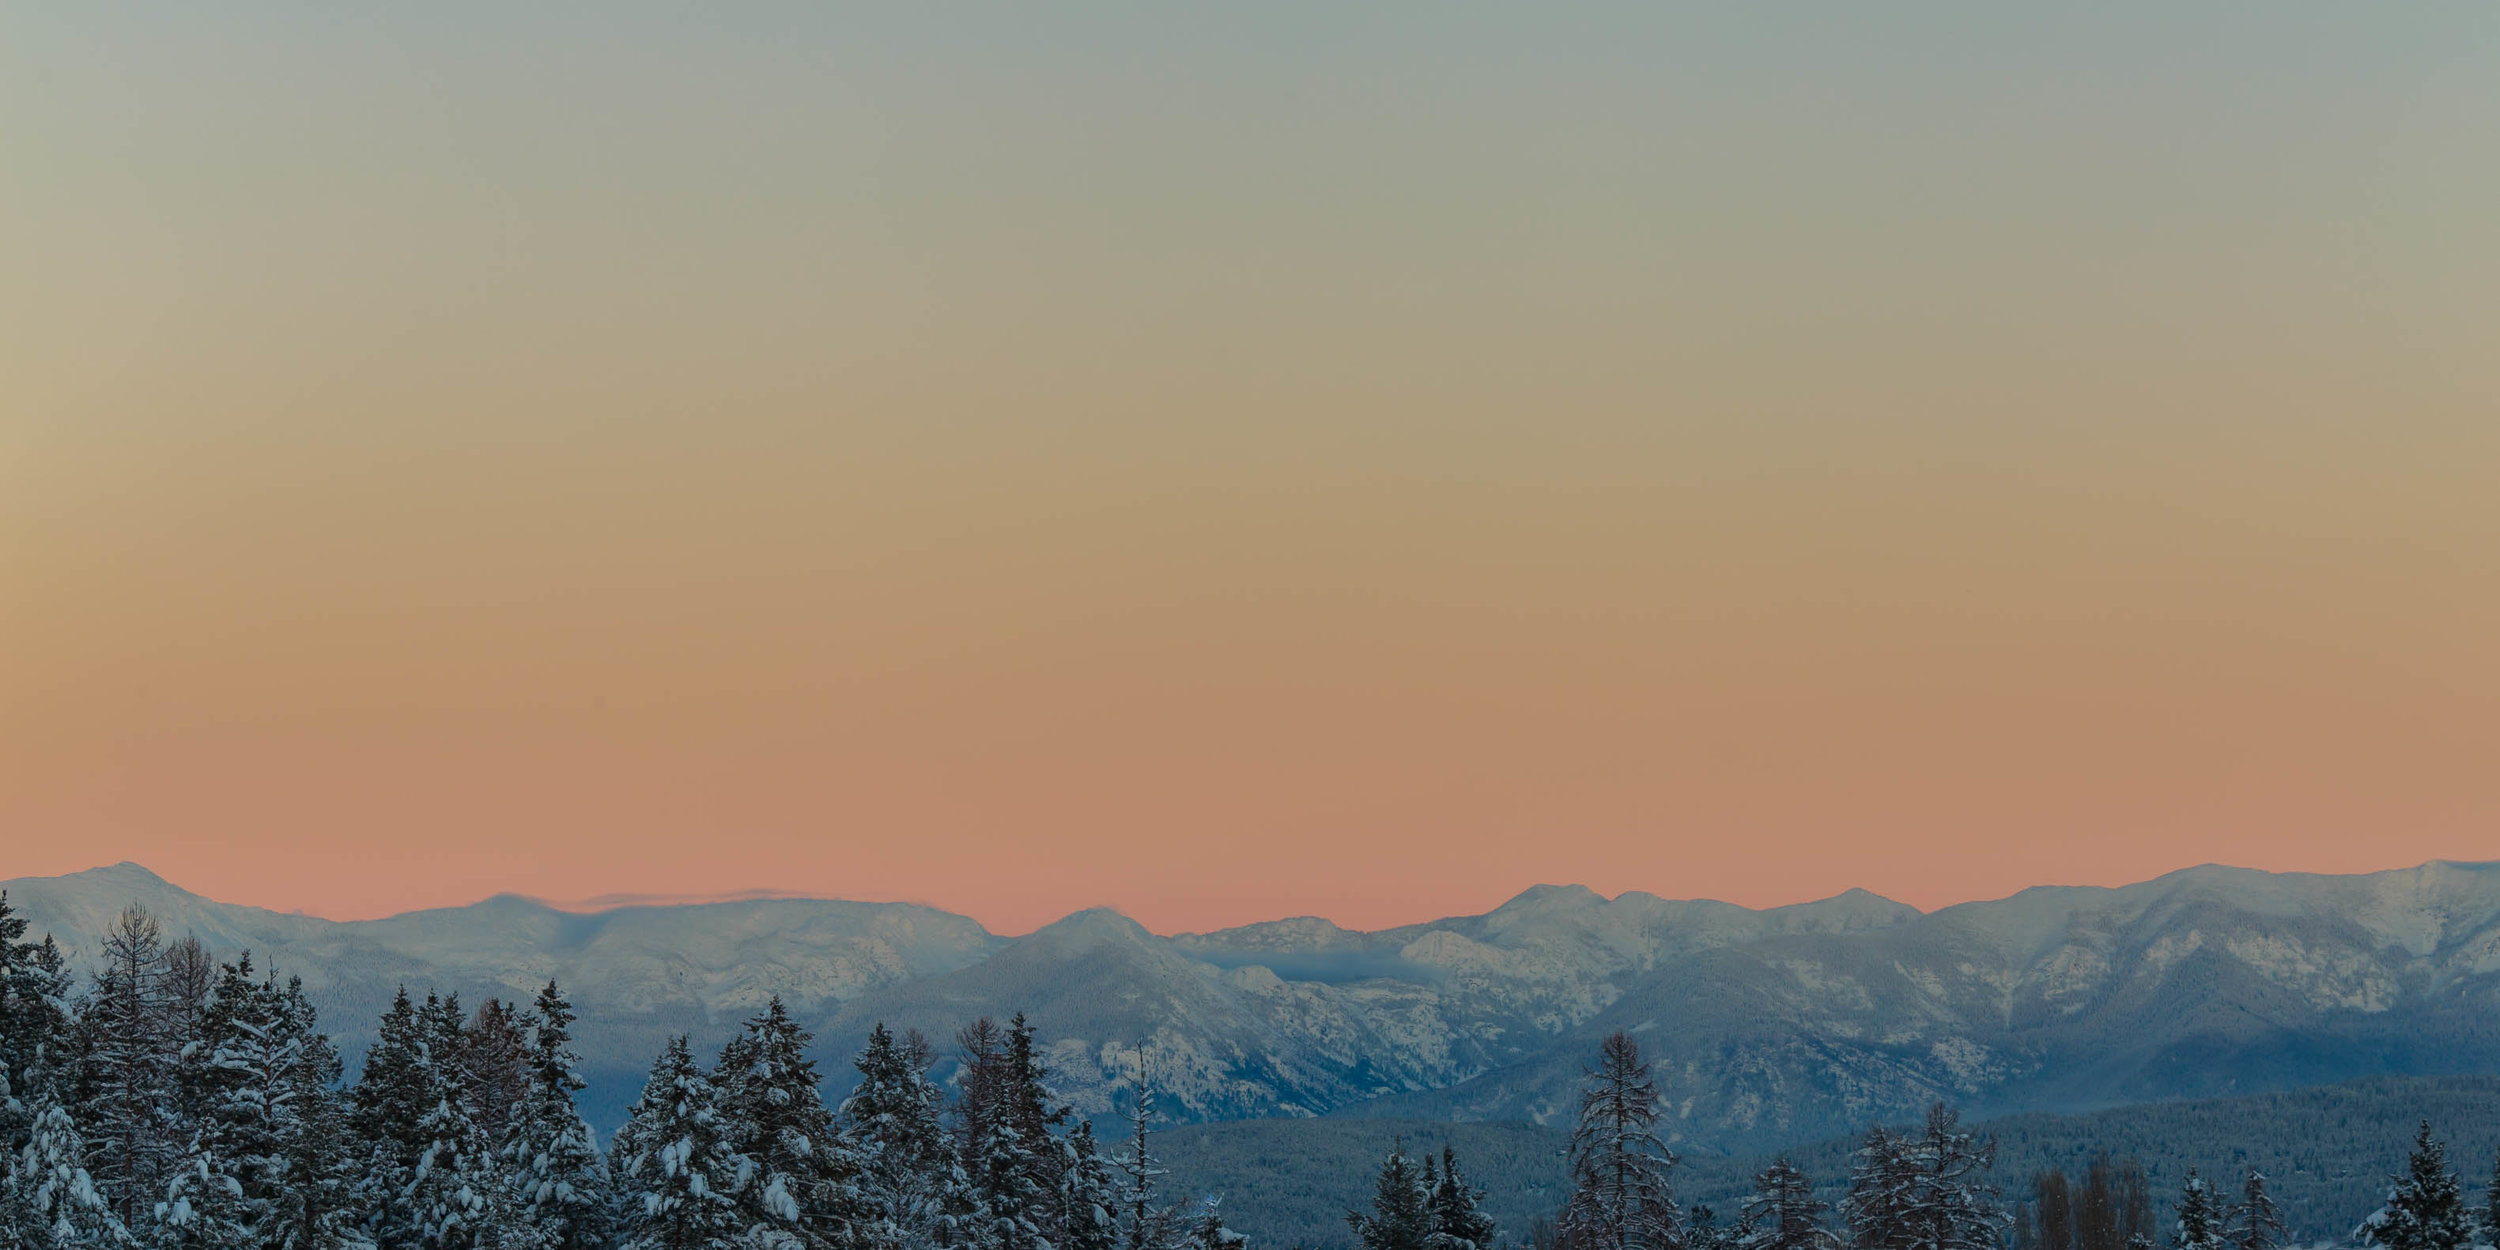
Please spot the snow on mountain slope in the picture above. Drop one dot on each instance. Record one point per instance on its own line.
(1767, 1025)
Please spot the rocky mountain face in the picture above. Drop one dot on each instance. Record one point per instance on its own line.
(1767, 1027)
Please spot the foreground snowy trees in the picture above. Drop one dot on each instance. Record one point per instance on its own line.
(1431, 1208)
(1620, 1197)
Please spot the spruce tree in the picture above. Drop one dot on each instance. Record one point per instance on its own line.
(2200, 1225)
(1883, 1193)
(1089, 1199)
(677, 1178)
(1207, 1231)
(48, 1201)
(1401, 1216)
(316, 1206)
(802, 1181)
(2253, 1223)
(1001, 1108)
(2426, 1209)
(494, 1067)
(551, 1160)
(396, 1093)
(227, 1186)
(914, 1175)
(204, 1207)
(1783, 1213)
(35, 1024)
(1620, 1198)
(1145, 1222)
(454, 1195)
(1955, 1205)
(1458, 1222)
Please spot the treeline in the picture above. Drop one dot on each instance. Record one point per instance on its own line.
(1927, 1189)
(175, 1103)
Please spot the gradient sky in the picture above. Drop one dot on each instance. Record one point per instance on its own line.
(1236, 461)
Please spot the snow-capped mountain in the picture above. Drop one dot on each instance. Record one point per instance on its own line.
(1768, 1026)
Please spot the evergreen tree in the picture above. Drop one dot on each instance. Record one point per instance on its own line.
(802, 1181)
(913, 1174)
(397, 1092)
(48, 1201)
(1004, 1131)
(559, 1182)
(1883, 1193)
(454, 1198)
(2426, 1209)
(1088, 1198)
(2491, 1205)
(1783, 1213)
(204, 1206)
(2200, 1225)
(1458, 1223)
(1955, 1206)
(1401, 1215)
(2135, 1205)
(677, 1178)
(319, 1161)
(1145, 1222)
(494, 1067)
(34, 1025)
(1620, 1199)
(225, 1188)
(2253, 1222)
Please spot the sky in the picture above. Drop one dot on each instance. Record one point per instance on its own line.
(1227, 462)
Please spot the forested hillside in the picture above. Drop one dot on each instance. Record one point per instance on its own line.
(2328, 1153)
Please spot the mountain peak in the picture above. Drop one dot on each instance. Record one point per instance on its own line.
(1554, 898)
(1092, 926)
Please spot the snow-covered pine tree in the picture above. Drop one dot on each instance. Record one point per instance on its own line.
(126, 1069)
(494, 1067)
(1783, 1213)
(551, 1157)
(1620, 1197)
(204, 1207)
(1458, 1219)
(2200, 1224)
(398, 1089)
(34, 1025)
(1089, 1198)
(911, 1171)
(1702, 1231)
(2491, 1205)
(1029, 1107)
(2253, 1222)
(1883, 1192)
(803, 1182)
(454, 1195)
(224, 1187)
(1145, 1222)
(1401, 1216)
(315, 1204)
(47, 1199)
(2426, 1208)
(999, 1152)
(676, 1178)
(1957, 1207)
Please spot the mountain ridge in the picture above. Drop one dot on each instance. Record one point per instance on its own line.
(1769, 1024)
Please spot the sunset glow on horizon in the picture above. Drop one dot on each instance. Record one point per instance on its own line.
(1231, 464)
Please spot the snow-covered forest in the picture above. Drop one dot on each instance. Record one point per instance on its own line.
(171, 1099)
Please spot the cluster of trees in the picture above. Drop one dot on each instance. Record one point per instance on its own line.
(174, 1103)
(1928, 1189)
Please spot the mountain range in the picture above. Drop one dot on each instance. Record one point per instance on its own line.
(1767, 1026)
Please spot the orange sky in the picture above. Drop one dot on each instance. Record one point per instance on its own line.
(1229, 465)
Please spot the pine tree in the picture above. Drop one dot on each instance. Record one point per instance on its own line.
(1620, 1199)
(913, 1174)
(316, 1203)
(1001, 1149)
(551, 1158)
(803, 1181)
(1458, 1222)
(1783, 1213)
(1883, 1193)
(398, 1090)
(2200, 1225)
(1955, 1207)
(204, 1206)
(1401, 1216)
(454, 1194)
(2253, 1222)
(1145, 1223)
(126, 1069)
(34, 1025)
(48, 1201)
(678, 1180)
(1088, 1198)
(494, 1067)
(226, 1187)
(2426, 1209)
